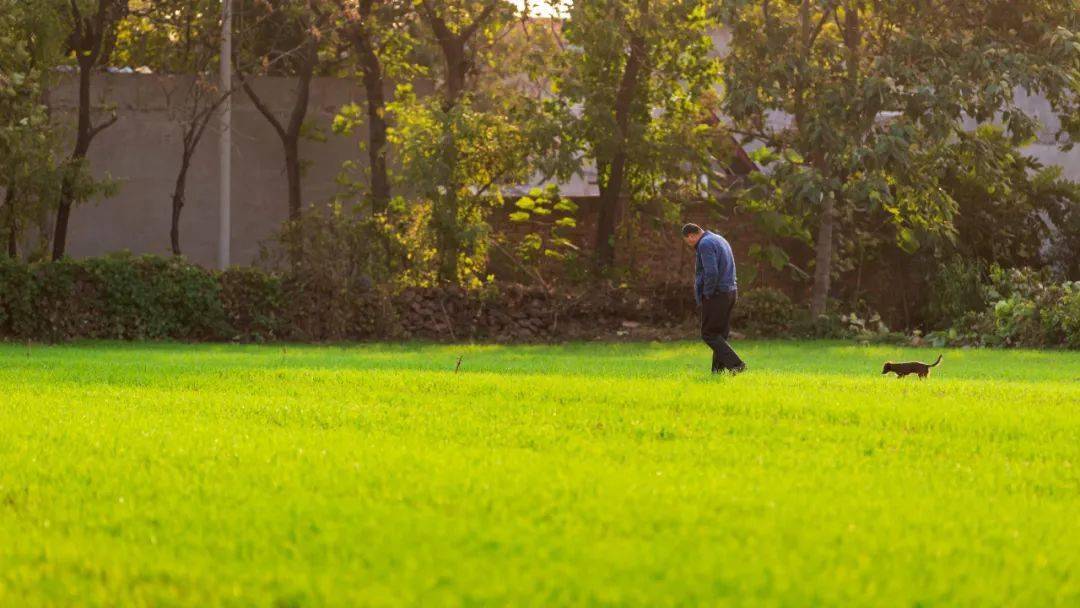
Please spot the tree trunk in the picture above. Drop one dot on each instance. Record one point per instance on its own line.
(82, 145)
(192, 135)
(824, 244)
(296, 124)
(292, 170)
(456, 70)
(611, 191)
(608, 213)
(289, 133)
(452, 43)
(447, 215)
(13, 229)
(377, 129)
(178, 200)
(823, 259)
(449, 241)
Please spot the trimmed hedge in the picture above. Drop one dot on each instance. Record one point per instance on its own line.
(115, 297)
(126, 297)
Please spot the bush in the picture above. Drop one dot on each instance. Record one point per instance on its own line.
(764, 312)
(1062, 320)
(254, 304)
(1026, 308)
(336, 261)
(16, 298)
(956, 288)
(149, 297)
(114, 297)
(146, 297)
(63, 302)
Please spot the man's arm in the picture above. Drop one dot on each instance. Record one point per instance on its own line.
(710, 273)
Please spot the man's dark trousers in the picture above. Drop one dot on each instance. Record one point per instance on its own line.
(716, 327)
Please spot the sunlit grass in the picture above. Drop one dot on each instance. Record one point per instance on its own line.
(537, 475)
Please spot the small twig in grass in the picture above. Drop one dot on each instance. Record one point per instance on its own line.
(458, 366)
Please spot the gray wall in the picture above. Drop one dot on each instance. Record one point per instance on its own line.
(142, 152)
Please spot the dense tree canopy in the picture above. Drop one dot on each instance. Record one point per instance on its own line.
(26, 160)
(641, 72)
(857, 100)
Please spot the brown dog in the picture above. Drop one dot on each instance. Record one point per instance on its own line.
(912, 367)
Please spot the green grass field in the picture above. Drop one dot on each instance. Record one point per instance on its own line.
(584, 474)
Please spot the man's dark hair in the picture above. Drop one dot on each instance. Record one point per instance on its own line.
(689, 229)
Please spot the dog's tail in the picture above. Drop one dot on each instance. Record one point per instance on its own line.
(935, 363)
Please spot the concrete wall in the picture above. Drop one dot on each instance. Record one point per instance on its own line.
(142, 152)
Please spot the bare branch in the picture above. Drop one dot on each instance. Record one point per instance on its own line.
(105, 125)
(262, 107)
(820, 24)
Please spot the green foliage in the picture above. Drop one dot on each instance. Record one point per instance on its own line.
(636, 90)
(17, 312)
(29, 179)
(543, 240)
(1004, 199)
(456, 160)
(333, 287)
(175, 37)
(1061, 322)
(148, 297)
(955, 288)
(861, 104)
(254, 304)
(115, 297)
(549, 217)
(274, 36)
(764, 312)
(1020, 308)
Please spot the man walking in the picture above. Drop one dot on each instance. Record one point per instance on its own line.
(715, 290)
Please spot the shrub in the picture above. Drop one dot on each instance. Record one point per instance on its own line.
(1026, 308)
(336, 260)
(764, 312)
(956, 288)
(254, 304)
(150, 297)
(63, 303)
(16, 298)
(1062, 321)
(114, 297)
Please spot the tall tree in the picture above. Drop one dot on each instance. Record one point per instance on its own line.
(285, 39)
(179, 40)
(91, 36)
(378, 32)
(855, 99)
(460, 29)
(642, 72)
(28, 172)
